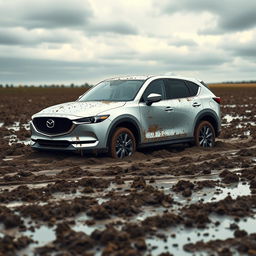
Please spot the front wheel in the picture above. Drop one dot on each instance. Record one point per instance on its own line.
(205, 135)
(122, 143)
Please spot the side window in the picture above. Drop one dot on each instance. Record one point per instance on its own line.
(156, 86)
(176, 88)
(193, 88)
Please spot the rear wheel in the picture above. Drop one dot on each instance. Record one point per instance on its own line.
(205, 135)
(122, 143)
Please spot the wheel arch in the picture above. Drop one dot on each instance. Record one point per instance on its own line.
(127, 122)
(210, 116)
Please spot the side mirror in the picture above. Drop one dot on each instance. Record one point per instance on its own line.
(153, 97)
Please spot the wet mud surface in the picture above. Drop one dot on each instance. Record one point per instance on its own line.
(172, 200)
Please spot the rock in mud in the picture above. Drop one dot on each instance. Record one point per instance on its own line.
(138, 182)
(229, 177)
(9, 219)
(10, 245)
(184, 186)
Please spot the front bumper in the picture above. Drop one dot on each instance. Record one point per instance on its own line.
(81, 137)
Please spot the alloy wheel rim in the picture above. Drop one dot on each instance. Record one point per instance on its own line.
(124, 145)
(206, 137)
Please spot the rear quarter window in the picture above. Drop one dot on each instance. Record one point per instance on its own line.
(176, 89)
(193, 88)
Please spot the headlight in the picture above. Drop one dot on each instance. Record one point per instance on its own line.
(91, 119)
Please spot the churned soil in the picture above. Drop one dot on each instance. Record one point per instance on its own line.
(242, 243)
(92, 203)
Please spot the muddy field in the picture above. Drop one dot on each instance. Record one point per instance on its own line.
(175, 200)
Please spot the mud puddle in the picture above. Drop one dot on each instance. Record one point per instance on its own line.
(175, 239)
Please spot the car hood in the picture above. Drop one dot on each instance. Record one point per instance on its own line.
(77, 109)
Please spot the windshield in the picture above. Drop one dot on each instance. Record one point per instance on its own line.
(113, 90)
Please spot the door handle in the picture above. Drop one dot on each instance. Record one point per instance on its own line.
(196, 104)
(168, 109)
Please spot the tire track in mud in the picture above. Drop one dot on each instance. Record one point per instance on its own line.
(128, 172)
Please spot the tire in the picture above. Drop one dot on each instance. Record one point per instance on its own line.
(122, 143)
(205, 135)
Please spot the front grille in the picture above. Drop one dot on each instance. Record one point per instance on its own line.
(53, 143)
(52, 125)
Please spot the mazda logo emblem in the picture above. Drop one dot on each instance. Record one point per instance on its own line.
(50, 123)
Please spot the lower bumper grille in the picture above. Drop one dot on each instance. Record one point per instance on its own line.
(62, 143)
(54, 143)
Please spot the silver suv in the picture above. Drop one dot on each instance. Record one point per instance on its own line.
(122, 114)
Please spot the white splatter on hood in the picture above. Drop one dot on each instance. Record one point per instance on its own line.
(79, 109)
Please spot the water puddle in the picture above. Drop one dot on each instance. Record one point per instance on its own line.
(230, 118)
(207, 194)
(13, 139)
(234, 191)
(42, 236)
(176, 238)
(17, 125)
(81, 226)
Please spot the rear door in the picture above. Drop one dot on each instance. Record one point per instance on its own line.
(184, 107)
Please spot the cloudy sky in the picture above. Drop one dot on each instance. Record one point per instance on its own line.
(64, 41)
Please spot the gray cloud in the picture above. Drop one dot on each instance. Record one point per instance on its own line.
(157, 62)
(120, 54)
(231, 15)
(193, 61)
(58, 14)
(241, 49)
(45, 13)
(24, 70)
(11, 37)
(179, 42)
(119, 27)
(23, 37)
(189, 6)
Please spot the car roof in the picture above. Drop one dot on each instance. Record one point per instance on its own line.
(130, 78)
(153, 77)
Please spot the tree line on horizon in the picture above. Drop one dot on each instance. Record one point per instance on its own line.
(72, 85)
(87, 85)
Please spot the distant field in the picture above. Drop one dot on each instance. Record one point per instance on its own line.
(80, 90)
(234, 85)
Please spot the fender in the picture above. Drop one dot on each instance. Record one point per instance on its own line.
(120, 119)
(207, 112)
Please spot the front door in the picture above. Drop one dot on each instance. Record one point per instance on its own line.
(156, 120)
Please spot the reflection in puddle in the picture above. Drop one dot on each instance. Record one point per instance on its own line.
(183, 236)
(207, 194)
(81, 226)
(149, 212)
(42, 236)
(13, 139)
(230, 118)
(234, 192)
(17, 125)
